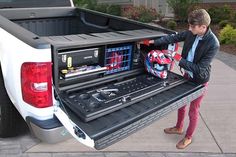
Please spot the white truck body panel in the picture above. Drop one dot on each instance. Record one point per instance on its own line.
(13, 53)
(69, 125)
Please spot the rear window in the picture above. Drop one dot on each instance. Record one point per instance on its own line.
(33, 3)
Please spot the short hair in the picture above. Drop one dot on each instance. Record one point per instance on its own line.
(199, 17)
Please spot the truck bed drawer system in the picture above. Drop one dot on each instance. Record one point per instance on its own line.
(117, 96)
(95, 102)
(107, 93)
(119, 124)
(99, 80)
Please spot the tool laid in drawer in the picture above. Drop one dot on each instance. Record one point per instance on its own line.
(92, 103)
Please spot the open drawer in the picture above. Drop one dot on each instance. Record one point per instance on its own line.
(143, 107)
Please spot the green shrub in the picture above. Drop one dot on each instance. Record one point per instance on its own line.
(234, 16)
(147, 14)
(104, 8)
(233, 24)
(220, 13)
(181, 8)
(171, 24)
(89, 4)
(101, 8)
(223, 23)
(228, 35)
(114, 10)
(141, 14)
(131, 13)
(160, 16)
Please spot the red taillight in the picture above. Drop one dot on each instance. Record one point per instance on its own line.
(36, 83)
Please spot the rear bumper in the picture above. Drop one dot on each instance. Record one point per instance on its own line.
(49, 131)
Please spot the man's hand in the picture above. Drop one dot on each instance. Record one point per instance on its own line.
(173, 54)
(146, 42)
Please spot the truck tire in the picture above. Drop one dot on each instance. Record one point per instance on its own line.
(10, 119)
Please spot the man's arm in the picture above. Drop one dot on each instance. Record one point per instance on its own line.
(173, 38)
(200, 70)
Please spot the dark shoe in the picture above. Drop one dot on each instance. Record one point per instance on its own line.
(174, 130)
(184, 143)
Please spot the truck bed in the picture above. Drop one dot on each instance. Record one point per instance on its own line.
(78, 26)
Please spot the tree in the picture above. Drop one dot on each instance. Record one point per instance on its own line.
(181, 8)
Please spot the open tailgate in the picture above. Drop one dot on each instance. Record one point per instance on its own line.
(114, 126)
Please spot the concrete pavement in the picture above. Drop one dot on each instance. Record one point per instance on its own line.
(215, 135)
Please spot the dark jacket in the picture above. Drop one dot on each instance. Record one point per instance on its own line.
(205, 52)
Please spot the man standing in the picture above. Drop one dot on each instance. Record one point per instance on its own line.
(200, 47)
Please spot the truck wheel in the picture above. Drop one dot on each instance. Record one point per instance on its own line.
(10, 119)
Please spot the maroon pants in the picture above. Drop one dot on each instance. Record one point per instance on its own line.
(193, 115)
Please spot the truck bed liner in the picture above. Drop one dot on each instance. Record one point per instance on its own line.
(39, 27)
(78, 26)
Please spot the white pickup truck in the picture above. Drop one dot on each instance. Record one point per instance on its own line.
(71, 71)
